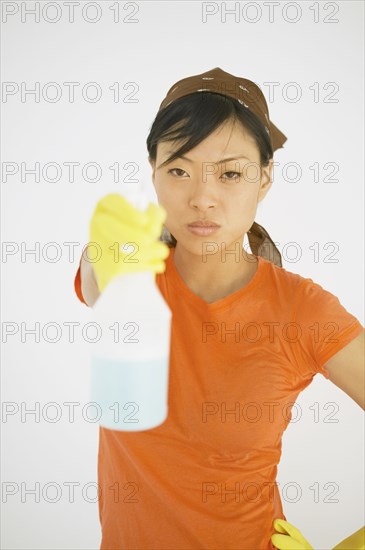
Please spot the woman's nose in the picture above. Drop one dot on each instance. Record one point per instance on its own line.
(203, 193)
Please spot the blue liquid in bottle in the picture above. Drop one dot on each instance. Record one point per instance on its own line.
(130, 396)
(129, 374)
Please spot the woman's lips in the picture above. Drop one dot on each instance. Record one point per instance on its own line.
(202, 231)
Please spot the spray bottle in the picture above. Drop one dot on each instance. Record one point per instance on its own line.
(130, 359)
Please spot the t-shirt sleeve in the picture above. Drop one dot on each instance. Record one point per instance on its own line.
(77, 284)
(323, 327)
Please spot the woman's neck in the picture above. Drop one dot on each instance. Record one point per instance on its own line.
(212, 277)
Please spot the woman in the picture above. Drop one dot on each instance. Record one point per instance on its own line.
(242, 345)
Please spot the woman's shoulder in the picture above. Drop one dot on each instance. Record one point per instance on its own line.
(284, 276)
(302, 291)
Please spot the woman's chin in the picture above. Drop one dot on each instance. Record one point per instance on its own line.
(200, 246)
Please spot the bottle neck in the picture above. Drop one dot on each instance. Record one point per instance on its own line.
(141, 277)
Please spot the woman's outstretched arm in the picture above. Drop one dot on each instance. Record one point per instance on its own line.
(89, 286)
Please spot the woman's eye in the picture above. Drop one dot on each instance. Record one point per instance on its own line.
(233, 175)
(236, 175)
(176, 169)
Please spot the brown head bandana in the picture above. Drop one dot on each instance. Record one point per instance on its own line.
(250, 96)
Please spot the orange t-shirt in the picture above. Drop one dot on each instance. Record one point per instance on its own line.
(206, 477)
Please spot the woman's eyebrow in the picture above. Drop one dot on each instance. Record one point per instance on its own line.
(219, 162)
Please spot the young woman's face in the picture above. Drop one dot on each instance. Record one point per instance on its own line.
(200, 187)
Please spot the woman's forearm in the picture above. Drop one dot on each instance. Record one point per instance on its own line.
(89, 285)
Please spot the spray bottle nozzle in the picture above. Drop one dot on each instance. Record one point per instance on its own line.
(136, 196)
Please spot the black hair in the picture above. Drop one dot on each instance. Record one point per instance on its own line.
(194, 117)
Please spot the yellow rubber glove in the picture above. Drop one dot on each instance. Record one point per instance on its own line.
(116, 222)
(291, 540)
(356, 541)
(294, 540)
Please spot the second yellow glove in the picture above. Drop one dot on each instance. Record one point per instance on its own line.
(294, 540)
(291, 540)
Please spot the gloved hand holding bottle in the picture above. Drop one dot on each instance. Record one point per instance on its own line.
(130, 356)
(116, 222)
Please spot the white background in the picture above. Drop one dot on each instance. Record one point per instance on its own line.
(169, 41)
